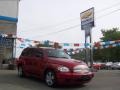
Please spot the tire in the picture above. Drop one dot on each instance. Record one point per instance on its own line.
(50, 79)
(20, 71)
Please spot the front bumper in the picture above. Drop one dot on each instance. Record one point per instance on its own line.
(74, 78)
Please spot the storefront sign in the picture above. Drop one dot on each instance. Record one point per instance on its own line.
(87, 19)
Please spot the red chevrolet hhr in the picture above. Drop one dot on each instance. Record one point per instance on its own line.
(53, 66)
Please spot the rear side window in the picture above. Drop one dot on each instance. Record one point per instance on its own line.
(38, 53)
(28, 52)
(24, 52)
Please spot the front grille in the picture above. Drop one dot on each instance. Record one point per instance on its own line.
(84, 78)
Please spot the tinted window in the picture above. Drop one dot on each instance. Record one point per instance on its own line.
(28, 52)
(24, 52)
(57, 53)
(38, 53)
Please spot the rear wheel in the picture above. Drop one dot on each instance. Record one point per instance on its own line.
(20, 71)
(50, 78)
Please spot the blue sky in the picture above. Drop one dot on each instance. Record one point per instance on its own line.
(59, 20)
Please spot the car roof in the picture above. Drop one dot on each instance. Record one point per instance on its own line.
(44, 48)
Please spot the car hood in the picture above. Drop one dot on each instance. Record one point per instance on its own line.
(66, 62)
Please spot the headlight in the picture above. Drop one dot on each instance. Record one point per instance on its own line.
(63, 69)
(81, 68)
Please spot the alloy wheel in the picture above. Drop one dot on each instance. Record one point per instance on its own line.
(20, 72)
(50, 78)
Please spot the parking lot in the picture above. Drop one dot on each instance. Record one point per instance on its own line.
(103, 80)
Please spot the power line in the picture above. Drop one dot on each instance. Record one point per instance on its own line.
(114, 5)
(60, 30)
(109, 13)
(56, 25)
(77, 25)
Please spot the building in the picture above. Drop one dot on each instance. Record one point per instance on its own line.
(8, 29)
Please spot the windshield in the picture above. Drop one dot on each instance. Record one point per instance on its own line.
(57, 54)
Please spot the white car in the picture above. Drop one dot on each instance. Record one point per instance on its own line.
(108, 65)
(115, 65)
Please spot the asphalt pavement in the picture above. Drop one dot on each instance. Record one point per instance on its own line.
(103, 80)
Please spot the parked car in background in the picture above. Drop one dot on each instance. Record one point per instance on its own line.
(98, 65)
(53, 66)
(115, 65)
(108, 65)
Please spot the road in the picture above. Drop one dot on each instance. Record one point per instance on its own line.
(103, 80)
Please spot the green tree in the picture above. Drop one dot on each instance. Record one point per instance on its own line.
(110, 54)
(110, 34)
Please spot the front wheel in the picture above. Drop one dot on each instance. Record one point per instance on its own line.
(50, 78)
